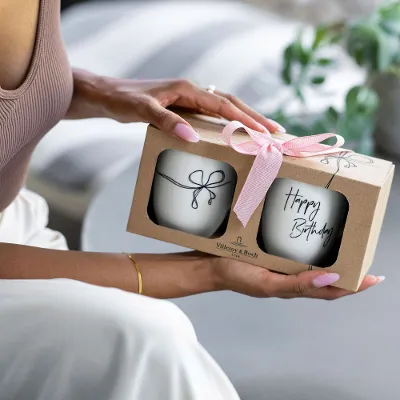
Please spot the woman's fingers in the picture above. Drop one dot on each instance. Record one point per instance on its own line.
(225, 105)
(168, 121)
(259, 282)
(271, 125)
(304, 284)
(311, 284)
(333, 293)
(196, 98)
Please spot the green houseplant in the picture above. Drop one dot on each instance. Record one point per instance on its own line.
(374, 44)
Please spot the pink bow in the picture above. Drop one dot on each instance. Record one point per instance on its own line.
(269, 156)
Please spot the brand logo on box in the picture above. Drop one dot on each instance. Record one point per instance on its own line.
(237, 249)
(239, 242)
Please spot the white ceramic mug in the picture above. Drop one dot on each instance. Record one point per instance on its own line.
(191, 193)
(303, 222)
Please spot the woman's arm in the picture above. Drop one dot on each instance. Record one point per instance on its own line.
(164, 276)
(168, 275)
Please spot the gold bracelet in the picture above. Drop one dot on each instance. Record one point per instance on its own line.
(139, 274)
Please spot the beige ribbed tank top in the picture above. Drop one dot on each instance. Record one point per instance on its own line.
(40, 102)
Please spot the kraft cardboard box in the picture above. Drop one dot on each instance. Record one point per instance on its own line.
(332, 202)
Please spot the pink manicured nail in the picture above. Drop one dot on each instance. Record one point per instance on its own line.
(262, 128)
(380, 279)
(278, 127)
(325, 280)
(186, 133)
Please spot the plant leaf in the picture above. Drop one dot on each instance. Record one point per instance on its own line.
(299, 95)
(361, 100)
(286, 73)
(337, 38)
(363, 44)
(332, 114)
(390, 18)
(318, 80)
(355, 127)
(324, 62)
(391, 27)
(388, 46)
(329, 120)
(286, 76)
(320, 35)
(301, 54)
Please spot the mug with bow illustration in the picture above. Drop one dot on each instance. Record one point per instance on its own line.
(191, 193)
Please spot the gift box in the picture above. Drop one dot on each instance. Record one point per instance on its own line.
(284, 203)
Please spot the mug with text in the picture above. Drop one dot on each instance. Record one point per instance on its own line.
(302, 222)
(191, 193)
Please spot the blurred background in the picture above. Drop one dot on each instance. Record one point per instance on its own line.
(316, 66)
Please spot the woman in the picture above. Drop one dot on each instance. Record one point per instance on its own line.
(72, 324)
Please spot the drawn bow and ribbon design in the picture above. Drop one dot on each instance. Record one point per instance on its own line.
(346, 159)
(215, 180)
(269, 154)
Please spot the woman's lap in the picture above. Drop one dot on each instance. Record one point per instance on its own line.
(63, 335)
(62, 339)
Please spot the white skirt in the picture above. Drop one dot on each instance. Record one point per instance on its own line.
(66, 340)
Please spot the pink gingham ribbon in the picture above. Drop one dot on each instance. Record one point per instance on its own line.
(269, 156)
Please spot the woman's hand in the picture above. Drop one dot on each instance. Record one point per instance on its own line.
(185, 274)
(147, 101)
(259, 282)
